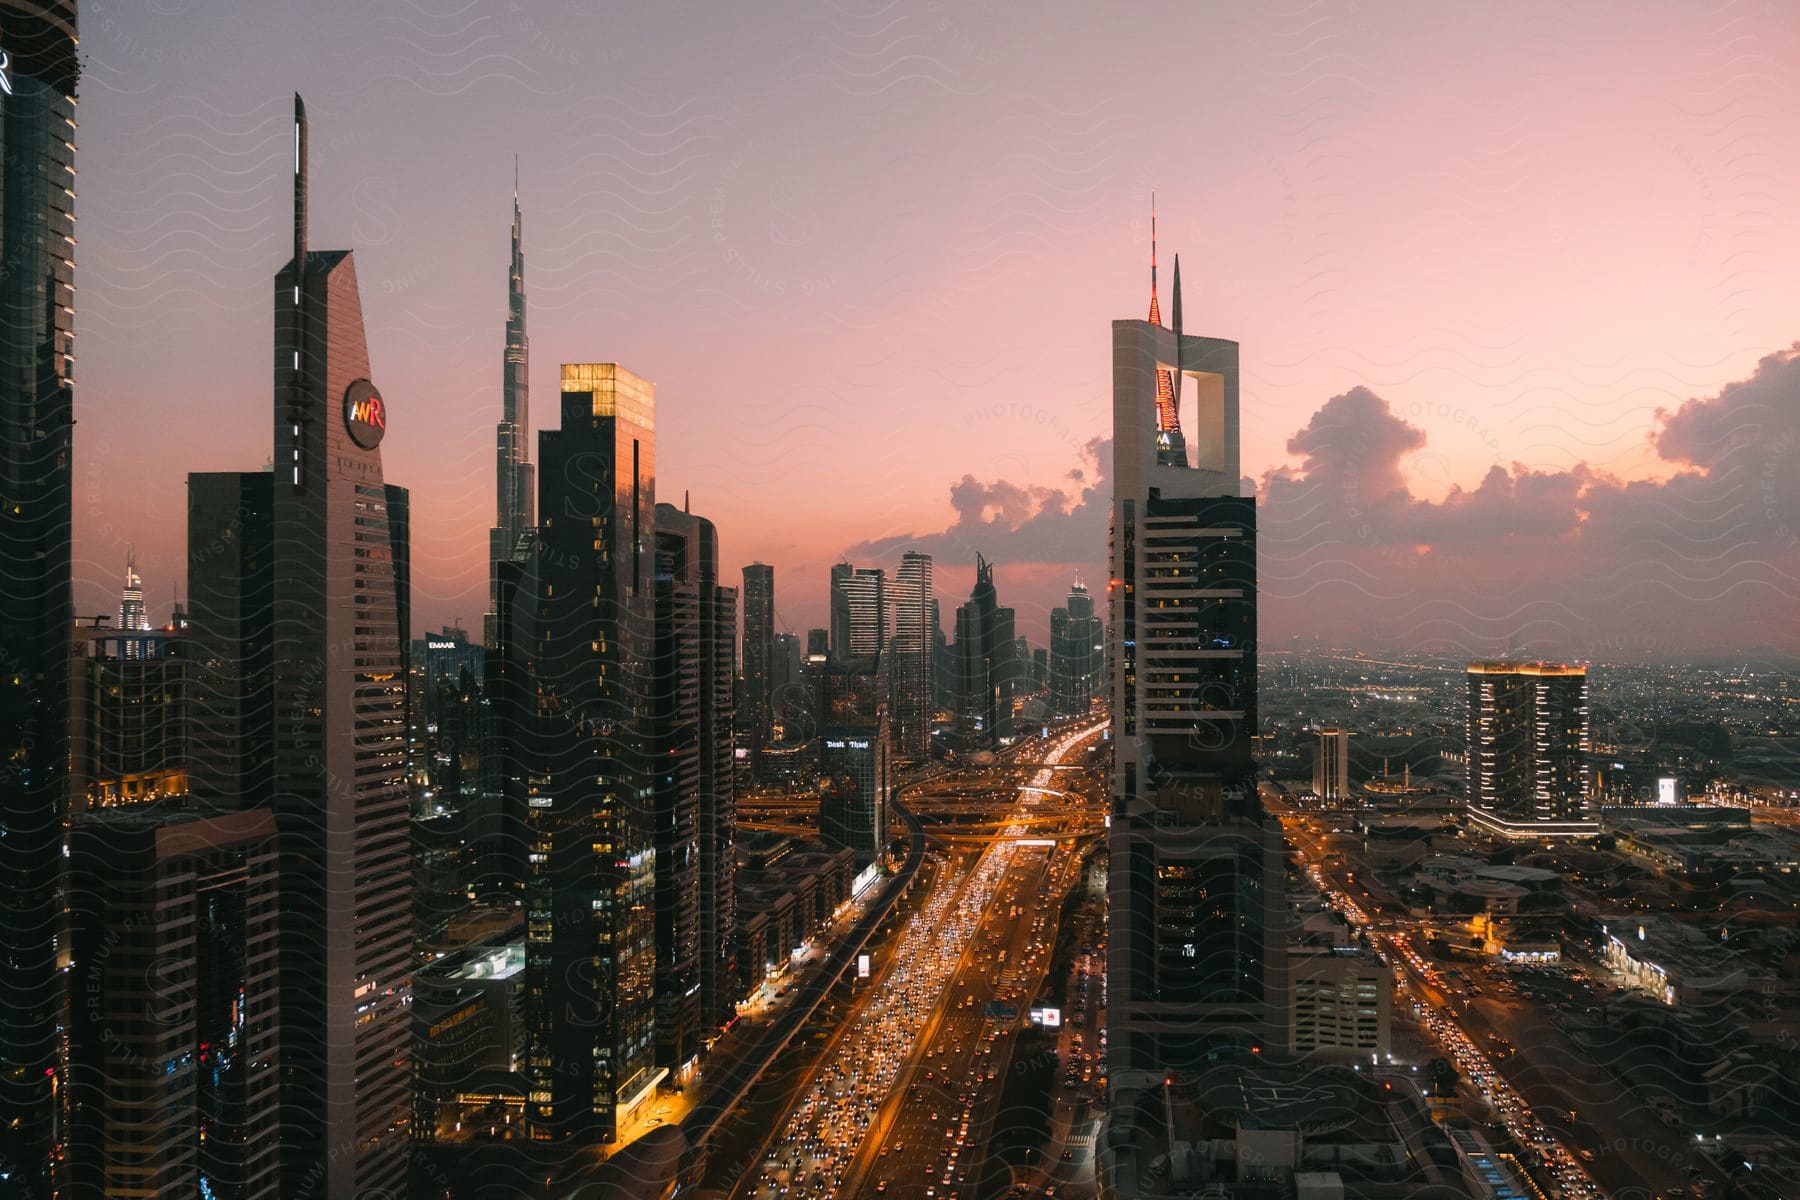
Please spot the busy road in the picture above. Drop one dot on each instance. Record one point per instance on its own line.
(928, 1008)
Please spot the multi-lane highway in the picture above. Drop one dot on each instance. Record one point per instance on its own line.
(981, 938)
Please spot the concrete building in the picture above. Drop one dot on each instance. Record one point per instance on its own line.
(128, 723)
(1077, 649)
(173, 1063)
(1340, 1004)
(340, 793)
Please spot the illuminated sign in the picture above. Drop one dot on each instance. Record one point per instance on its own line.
(6, 72)
(440, 645)
(1049, 1018)
(862, 966)
(1665, 791)
(365, 414)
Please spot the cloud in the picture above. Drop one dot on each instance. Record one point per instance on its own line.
(1569, 562)
(1573, 562)
(1009, 522)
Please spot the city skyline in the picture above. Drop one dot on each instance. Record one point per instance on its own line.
(667, 220)
(1312, 798)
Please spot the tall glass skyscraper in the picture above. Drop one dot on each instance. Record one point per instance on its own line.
(910, 658)
(515, 492)
(340, 792)
(759, 652)
(37, 309)
(590, 929)
(1194, 906)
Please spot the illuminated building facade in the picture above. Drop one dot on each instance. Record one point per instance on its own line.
(172, 1042)
(128, 726)
(590, 881)
(1528, 743)
(986, 671)
(37, 419)
(340, 792)
(1194, 899)
(1331, 766)
(911, 657)
(854, 756)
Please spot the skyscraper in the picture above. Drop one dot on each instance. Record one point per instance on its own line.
(340, 795)
(590, 930)
(759, 649)
(37, 418)
(911, 658)
(840, 610)
(691, 703)
(515, 489)
(1076, 647)
(1527, 749)
(859, 611)
(854, 756)
(231, 636)
(172, 1046)
(1331, 766)
(1195, 861)
(986, 679)
(132, 616)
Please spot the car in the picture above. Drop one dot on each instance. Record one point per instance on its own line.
(881, 1186)
(1068, 1156)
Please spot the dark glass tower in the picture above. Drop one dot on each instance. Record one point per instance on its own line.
(515, 481)
(912, 658)
(1194, 901)
(340, 793)
(590, 929)
(689, 716)
(37, 265)
(759, 652)
(984, 657)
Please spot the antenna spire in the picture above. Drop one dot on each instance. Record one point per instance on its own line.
(1155, 309)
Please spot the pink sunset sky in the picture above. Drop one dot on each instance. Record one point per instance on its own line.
(1503, 278)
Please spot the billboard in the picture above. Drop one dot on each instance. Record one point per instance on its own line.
(1049, 1018)
(862, 966)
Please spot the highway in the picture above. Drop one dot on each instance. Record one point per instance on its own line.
(916, 1010)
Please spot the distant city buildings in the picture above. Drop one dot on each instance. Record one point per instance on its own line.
(1528, 741)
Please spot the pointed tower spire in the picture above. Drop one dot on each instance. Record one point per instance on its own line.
(299, 185)
(1155, 309)
(1168, 421)
(1175, 322)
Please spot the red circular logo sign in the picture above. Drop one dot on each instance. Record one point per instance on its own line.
(365, 414)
